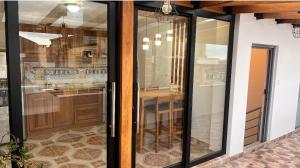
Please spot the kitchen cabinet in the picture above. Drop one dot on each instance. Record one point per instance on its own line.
(39, 112)
(88, 109)
(56, 111)
(63, 114)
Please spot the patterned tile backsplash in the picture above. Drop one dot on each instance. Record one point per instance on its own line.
(51, 76)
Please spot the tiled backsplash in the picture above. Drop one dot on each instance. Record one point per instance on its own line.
(50, 76)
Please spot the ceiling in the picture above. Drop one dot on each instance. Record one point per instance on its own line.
(283, 12)
(53, 13)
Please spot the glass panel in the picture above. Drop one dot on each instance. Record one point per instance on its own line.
(4, 109)
(64, 74)
(209, 86)
(161, 75)
(4, 116)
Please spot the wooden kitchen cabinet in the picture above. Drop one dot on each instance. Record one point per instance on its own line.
(88, 109)
(56, 111)
(39, 112)
(64, 112)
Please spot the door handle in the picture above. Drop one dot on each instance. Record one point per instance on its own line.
(113, 109)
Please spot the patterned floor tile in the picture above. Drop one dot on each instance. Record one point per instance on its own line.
(69, 138)
(53, 150)
(87, 154)
(97, 140)
(283, 153)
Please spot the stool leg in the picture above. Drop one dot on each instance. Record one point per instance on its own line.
(170, 128)
(157, 132)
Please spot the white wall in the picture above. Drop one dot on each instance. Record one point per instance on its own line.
(286, 77)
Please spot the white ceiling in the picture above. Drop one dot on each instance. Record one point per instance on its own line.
(91, 14)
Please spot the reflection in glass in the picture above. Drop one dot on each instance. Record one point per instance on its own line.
(64, 73)
(161, 75)
(209, 86)
(4, 117)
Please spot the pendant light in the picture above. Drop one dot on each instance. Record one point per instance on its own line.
(296, 30)
(157, 39)
(167, 7)
(170, 34)
(146, 40)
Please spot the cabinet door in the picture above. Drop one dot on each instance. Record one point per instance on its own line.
(89, 109)
(63, 114)
(39, 111)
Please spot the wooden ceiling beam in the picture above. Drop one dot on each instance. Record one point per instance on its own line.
(287, 15)
(219, 10)
(225, 3)
(188, 4)
(268, 8)
(290, 21)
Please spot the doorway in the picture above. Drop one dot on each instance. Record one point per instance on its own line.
(259, 90)
(67, 83)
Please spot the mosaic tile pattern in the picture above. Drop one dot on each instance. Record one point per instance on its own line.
(86, 148)
(166, 156)
(283, 152)
(74, 148)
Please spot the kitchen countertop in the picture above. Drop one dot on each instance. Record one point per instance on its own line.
(71, 90)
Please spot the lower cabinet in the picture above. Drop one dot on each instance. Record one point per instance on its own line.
(63, 113)
(88, 109)
(49, 112)
(39, 112)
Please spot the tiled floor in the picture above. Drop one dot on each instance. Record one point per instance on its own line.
(86, 148)
(74, 148)
(284, 153)
(168, 156)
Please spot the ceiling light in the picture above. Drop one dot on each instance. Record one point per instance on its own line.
(157, 40)
(146, 43)
(169, 35)
(73, 7)
(167, 7)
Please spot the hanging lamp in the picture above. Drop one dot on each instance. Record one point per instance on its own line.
(169, 34)
(296, 30)
(157, 39)
(146, 40)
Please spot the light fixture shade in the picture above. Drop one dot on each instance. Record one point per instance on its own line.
(167, 7)
(73, 7)
(146, 43)
(170, 35)
(157, 39)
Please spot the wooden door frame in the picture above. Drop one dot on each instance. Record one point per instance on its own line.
(269, 85)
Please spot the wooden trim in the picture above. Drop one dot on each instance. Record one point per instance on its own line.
(184, 3)
(204, 4)
(213, 9)
(126, 82)
(268, 8)
(293, 21)
(281, 15)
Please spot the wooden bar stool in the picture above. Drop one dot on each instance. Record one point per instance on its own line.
(163, 107)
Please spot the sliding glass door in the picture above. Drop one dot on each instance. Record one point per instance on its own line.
(182, 79)
(161, 68)
(209, 87)
(68, 82)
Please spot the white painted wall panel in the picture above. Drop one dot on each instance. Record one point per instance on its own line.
(286, 77)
